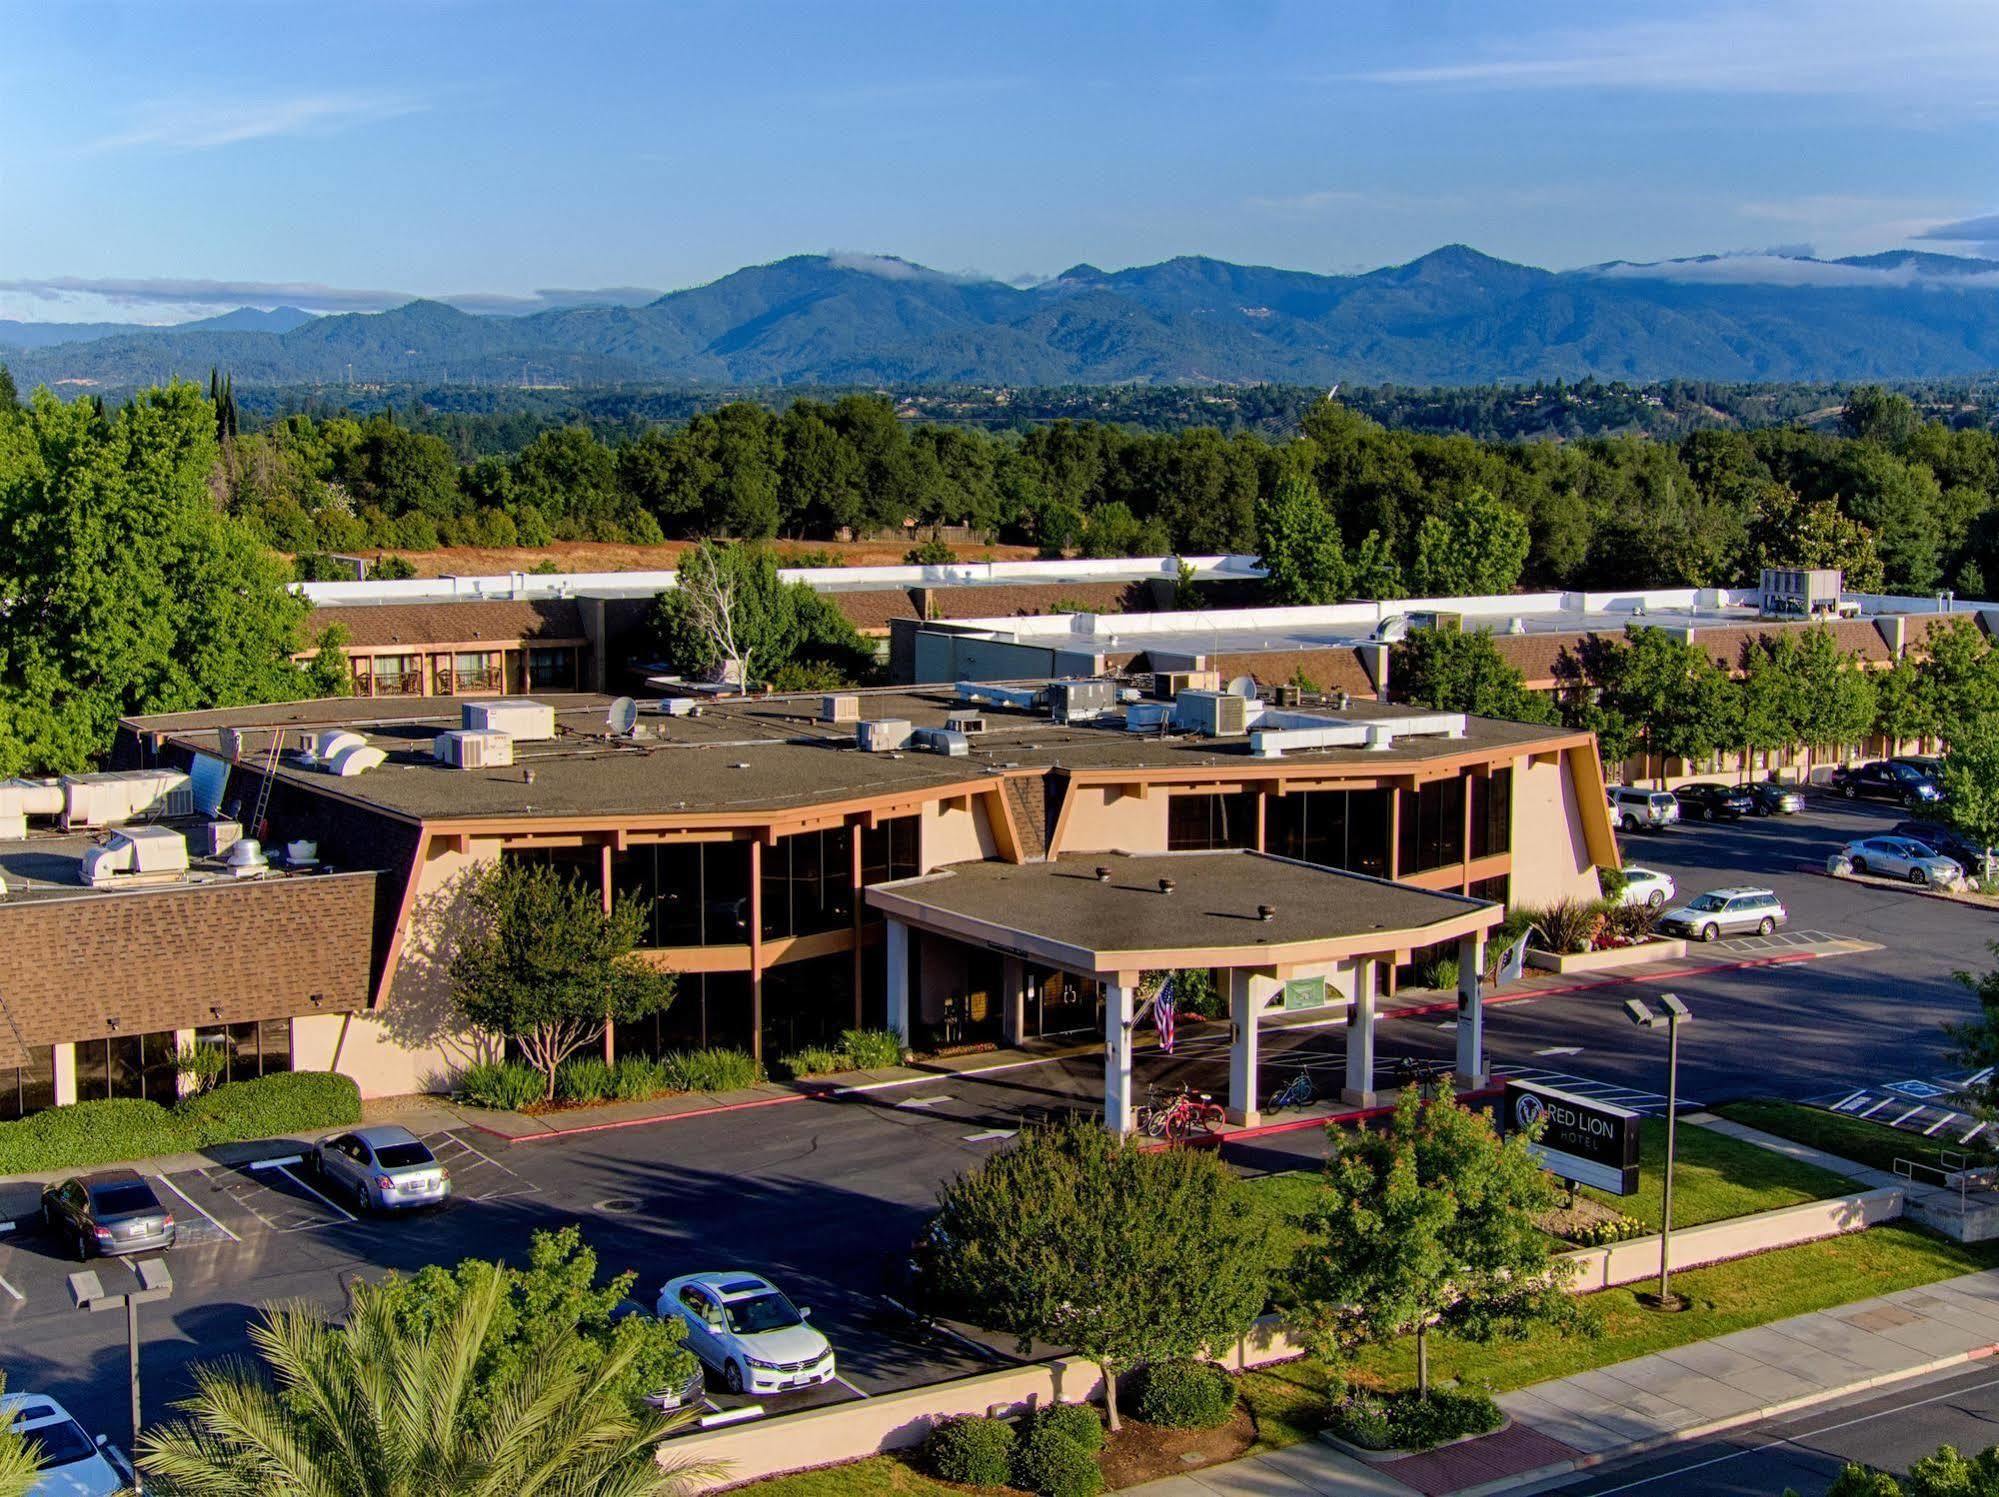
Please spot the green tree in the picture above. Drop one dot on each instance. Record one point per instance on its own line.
(730, 617)
(555, 1301)
(327, 673)
(375, 1407)
(1785, 530)
(1957, 678)
(1902, 711)
(546, 965)
(1668, 697)
(932, 553)
(1833, 692)
(1429, 1223)
(1873, 414)
(1476, 544)
(1942, 1473)
(1463, 671)
(10, 394)
(1971, 782)
(1082, 1238)
(1298, 545)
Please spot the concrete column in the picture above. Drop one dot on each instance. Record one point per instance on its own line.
(1471, 1011)
(1360, 1037)
(184, 1042)
(1119, 997)
(897, 936)
(65, 1069)
(1243, 1050)
(1013, 1000)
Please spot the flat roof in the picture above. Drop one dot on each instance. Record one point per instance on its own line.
(1063, 910)
(749, 756)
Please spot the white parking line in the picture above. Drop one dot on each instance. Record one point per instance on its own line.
(1898, 1122)
(1938, 1124)
(1848, 1101)
(289, 1175)
(857, 1392)
(1877, 1107)
(1973, 1133)
(19, 1298)
(197, 1210)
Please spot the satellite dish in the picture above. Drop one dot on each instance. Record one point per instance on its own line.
(1391, 629)
(623, 717)
(1244, 687)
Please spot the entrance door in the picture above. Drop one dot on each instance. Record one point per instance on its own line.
(1063, 1003)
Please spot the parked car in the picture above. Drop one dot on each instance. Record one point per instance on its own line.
(72, 1463)
(1930, 765)
(1939, 838)
(1726, 912)
(684, 1394)
(1884, 779)
(1709, 800)
(1647, 886)
(1902, 857)
(385, 1168)
(1774, 799)
(109, 1213)
(743, 1327)
(1633, 808)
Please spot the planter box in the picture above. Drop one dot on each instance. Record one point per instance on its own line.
(1381, 1457)
(1600, 961)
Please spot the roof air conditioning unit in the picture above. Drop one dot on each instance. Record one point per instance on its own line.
(140, 854)
(214, 838)
(1218, 714)
(946, 741)
(883, 734)
(843, 708)
(517, 717)
(1081, 701)
(465, 748)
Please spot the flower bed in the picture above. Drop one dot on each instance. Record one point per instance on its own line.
(1380, 1425)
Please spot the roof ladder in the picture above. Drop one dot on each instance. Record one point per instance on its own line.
(270, 779)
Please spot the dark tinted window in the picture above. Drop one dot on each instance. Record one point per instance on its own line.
(1195, 823)
(61, 1444)
(1432, 831)
(402, 1156)
(117, 1200)
(1492, 813)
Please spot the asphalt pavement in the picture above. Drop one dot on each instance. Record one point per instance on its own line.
(824, 1197)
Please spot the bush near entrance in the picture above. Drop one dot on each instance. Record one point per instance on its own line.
(1184, 1394)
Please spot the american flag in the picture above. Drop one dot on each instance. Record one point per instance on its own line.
(1162, 1015)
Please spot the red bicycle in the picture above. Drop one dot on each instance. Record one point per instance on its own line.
(1180, 1115)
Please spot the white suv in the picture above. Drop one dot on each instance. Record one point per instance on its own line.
(1634, 808)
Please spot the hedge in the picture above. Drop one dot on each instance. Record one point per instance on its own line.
(116, 1129)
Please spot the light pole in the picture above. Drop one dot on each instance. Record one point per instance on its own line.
(89, 1294)
(1642, 1015)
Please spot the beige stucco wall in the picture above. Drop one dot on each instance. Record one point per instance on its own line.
(951, 834)
(1550, 859)
(1636, 1260)
(1100, 818)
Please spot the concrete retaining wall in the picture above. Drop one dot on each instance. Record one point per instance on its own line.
(1638, 1259)
(1658, 950)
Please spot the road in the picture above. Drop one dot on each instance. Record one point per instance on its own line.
(824, 1197)
(1805, 1452)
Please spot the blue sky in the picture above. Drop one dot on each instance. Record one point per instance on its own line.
(162, 161)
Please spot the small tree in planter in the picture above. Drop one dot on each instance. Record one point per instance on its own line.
(1431, 1221)
(1081, 1238)
(546, 965)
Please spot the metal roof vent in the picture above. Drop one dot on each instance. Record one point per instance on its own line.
(1516, 626)
(245, 858)
(1379, 737)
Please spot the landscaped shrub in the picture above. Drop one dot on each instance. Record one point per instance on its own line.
(1050, 1463)
(1569, 926)
(1185, 1395)
(1629, 924)
(975, 1451)
(815, 1060)
(872, 1049)
(267, 1106)
(637, 1078)
(1611, 881)
(584, 1078)
(1603, 1233)
(1402, 1421)
(713, 1070)
(1079, 1422)
(201, 1066)
(490, 1084)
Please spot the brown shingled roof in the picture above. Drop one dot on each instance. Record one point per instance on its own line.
(486, 620)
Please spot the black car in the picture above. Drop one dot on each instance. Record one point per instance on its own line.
(108, 1213)
(1708, 800)
(1774, 799)
(1940, 838)
(1885, 779)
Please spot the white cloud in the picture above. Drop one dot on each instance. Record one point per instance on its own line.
(1783, 270)
(1980, 233)
(205, 124)
(146, 297)
(1931, 53)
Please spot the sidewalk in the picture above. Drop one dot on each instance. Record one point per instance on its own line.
(1690, 1392)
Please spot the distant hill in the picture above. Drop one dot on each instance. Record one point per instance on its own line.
(1452, 317)
(15, 335)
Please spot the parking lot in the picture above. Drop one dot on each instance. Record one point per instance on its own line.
(825, 1198)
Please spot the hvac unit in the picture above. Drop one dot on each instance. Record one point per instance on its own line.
(518, 718)
(1218, 714)
(1080, 701)
(1166, 685)
(844, 708)
(214, 838)
(118, 796)
(883, 734)
(140, 854)
(946, 741)
(965, 722)
(1147, 717)
(20, 799)
(470, 748)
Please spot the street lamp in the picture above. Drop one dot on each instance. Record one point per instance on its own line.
(1642, 1015)
(89, 1294)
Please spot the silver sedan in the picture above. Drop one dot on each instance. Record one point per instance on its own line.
(384, 1168)
(1902, 857)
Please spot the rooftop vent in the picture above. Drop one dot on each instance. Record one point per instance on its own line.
(965, 722)
(883, 734)
(353, 759)
(1019, 698)
(1391, 629)
(465, 748)
(245, 858)
(322, 746)
(946, 741)
(517, 717)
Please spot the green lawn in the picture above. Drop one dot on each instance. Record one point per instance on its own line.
(1716, 1177)
(1836, 1132)
(877, 1476)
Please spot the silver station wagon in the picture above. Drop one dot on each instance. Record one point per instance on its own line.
(1726, 912)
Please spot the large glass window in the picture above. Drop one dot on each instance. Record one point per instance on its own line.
(584, 865)
(889, 850)
(1345, 829)
(808, 883)
(1492, 813)
(251, 1048)
(1195, 823)
(552, 667)
(807, 1003)
(29, 1088)
(1432, 831)
(126, 1065)
(697, 893)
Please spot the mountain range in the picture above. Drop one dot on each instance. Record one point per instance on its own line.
(1454, 316)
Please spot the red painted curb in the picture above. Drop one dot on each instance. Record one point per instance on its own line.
(1299, 1125)
(1449, 1006)
(670, 1117)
